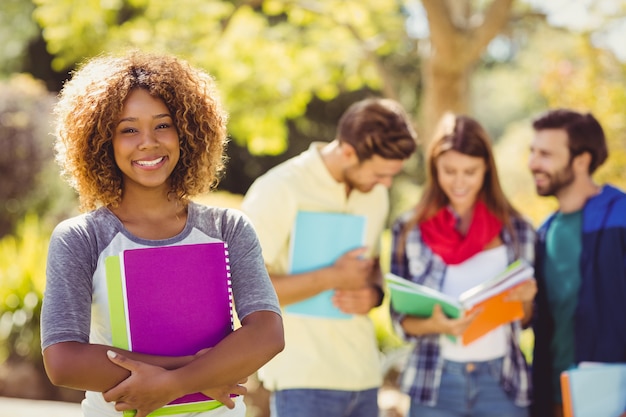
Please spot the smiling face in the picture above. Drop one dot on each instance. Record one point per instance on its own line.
(550, 161)
(145, 143)
(461, 178)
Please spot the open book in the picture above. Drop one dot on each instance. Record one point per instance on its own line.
(594, 389)
(318, 239)
(490, 297)
(171, 301)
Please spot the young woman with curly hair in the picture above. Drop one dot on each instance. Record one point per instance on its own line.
(137, 136)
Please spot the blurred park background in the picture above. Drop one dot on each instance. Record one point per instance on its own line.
(287, 69)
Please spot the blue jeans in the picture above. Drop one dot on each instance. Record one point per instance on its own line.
(470, 390)
(324, 403)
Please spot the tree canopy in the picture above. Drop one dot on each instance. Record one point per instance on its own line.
(272, 56)
(269, 57)
(275, 59)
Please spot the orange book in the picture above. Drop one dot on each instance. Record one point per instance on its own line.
(566, 395)
(490, 297)
(495, 311)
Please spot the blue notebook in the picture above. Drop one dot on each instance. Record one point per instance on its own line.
(318, 239)
(594, 390)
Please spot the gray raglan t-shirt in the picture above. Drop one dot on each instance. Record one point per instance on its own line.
(75, 304)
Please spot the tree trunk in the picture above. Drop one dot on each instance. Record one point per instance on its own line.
(456, 45)
(445, 89)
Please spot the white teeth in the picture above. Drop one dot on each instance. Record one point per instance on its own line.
(150, 163)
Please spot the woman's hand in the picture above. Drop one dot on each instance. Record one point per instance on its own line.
(223, 393)
(524, 292)
(148, 387)
(438, 323)
(454, 327)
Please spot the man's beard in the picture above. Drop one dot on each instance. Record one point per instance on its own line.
(353, 184)
(364, 188)
(556, 181)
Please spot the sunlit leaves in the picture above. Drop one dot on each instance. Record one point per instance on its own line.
(585, 78)
(268, 60)
(16, 30)
(22, 279)
(74, 29)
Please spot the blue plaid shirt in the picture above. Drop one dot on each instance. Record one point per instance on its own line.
(421, 376)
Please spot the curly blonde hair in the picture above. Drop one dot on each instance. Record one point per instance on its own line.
(89, 108)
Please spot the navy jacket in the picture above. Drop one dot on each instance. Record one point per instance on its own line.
(600, 317)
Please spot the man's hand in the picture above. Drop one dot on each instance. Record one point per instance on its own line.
(352, 270)
(359, 301)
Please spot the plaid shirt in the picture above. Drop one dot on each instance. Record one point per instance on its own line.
(421, 375)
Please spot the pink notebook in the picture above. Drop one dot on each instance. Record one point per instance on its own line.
(172, 301)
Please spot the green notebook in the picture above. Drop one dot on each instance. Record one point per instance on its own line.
(418, 300)
(489, 299)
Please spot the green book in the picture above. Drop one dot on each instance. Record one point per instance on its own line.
(418, 300)
(490, 299)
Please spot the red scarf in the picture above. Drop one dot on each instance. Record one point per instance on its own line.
(440, 234)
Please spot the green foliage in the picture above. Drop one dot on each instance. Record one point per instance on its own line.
(24, 129)
(22, 281)
(387, 338)
(29, 178)
(583, 77)
(527, 344)
(539, 76)
(269, 58)
(17, 29)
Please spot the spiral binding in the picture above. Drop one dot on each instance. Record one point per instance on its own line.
(230, 288)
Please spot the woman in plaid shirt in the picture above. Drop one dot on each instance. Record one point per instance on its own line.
(462, 232)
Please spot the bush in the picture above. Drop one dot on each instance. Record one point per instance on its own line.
(27, 180)
(22, 281)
